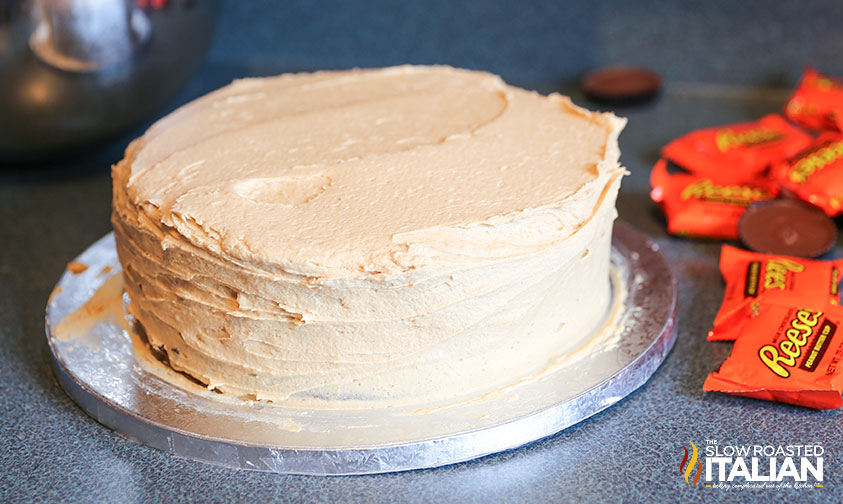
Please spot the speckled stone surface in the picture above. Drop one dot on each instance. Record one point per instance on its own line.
(713, 55)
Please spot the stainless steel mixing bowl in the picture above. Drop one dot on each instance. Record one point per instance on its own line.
(74, 72)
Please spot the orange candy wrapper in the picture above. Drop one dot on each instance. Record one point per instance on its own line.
(817, 102)
(815, 175)
(696, 205)
(753, 279)
(786, 354)
(738, 152)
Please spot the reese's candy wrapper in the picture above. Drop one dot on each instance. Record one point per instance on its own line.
(753, 279)
(815, 175)
(786, 354)
(817, 102)
(737, 152)
(697, 205)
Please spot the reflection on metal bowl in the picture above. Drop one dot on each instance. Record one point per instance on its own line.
(74, 72)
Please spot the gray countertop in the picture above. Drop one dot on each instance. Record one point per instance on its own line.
(51, 451)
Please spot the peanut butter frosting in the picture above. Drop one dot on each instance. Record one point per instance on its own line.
(368, 237)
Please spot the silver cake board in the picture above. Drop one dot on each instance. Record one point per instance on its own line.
(102, 372)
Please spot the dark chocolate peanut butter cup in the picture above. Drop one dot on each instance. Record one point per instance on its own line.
(787, 227)
(621, 85)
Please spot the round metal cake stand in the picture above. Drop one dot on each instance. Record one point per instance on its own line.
(102, 373)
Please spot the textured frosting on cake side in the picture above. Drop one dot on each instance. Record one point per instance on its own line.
(368, 237)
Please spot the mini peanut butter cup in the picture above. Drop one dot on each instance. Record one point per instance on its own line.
(621, 85)
(787, 227)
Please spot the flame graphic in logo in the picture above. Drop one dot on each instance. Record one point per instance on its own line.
(690, 467)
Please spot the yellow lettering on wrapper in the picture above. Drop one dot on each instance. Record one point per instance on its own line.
(706, 190)
(770, 356)
(801, 328)
(727, 139)
(806, 166)
(775, 273)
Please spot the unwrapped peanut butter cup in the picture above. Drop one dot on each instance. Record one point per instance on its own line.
(621, 85)
(787, 227)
